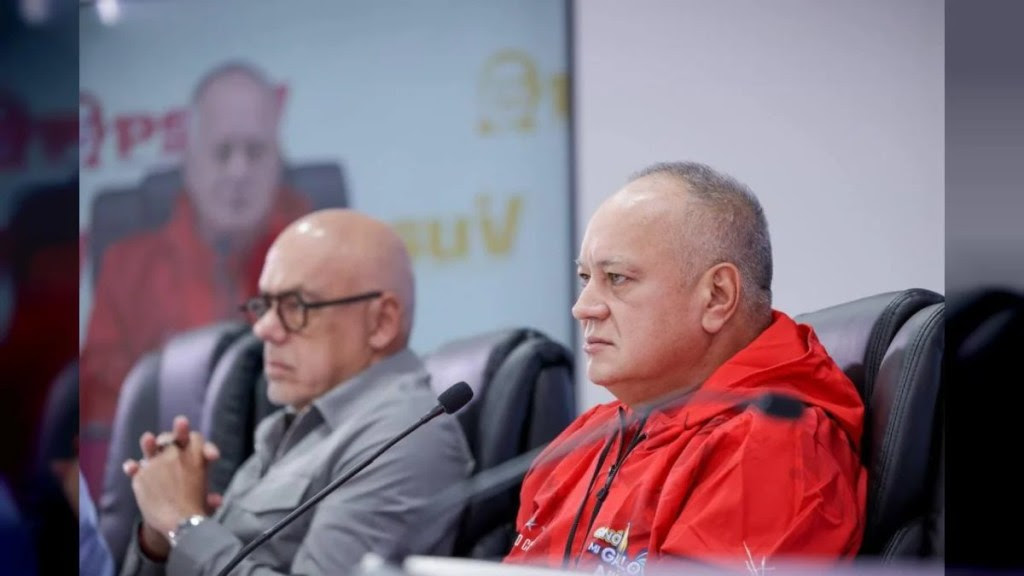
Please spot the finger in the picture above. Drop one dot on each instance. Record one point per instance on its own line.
(147, 442)
(196, 445)
(165, 439)
(213, 502)
(180, 429)
(210, 451)
(130, 467)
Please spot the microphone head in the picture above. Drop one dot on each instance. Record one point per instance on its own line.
(455, 397)
(779, 406)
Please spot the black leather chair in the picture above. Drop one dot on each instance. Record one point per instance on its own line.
(161, 385)
(236, 401)
(857, 333)
(524, 396)
(890, 345)
(905, 439)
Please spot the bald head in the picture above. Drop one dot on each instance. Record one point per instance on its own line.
(711, 218)
(350, 252)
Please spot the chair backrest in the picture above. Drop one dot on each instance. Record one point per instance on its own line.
(905, 438)
(857, 333)
(236, 401)
(524, 395)
(161, 385)
(890, 346)
(122, 211)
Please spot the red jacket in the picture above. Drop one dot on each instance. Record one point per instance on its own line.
(152, 286)
(706, 481)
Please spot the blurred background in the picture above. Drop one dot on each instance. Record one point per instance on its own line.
(38, 284)
(486, 132)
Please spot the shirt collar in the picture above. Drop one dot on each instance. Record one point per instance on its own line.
(336, 405)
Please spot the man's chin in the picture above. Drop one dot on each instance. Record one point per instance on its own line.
(602, 377)
(239, 226)
(277, 396)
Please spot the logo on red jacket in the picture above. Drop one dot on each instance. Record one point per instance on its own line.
(611, 547)
(522, 541)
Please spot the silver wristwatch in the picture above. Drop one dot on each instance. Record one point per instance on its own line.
(191, 522)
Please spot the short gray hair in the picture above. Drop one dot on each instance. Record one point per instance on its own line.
(229, 68)
(730, 226)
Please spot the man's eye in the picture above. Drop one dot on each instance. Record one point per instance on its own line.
(255, 150)
(223, 153)
(584, 278)
(616, 279)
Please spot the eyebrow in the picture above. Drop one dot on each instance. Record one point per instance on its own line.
(293, 290)
(606, 262)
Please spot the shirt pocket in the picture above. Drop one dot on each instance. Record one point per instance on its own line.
(275, 496)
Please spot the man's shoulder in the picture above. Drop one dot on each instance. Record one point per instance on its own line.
(138, 249)
(586, 423)
(129, 264)
(597, 413)
(136, 246)
(814, 436)
(392, 398)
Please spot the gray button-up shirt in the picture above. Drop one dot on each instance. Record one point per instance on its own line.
(291, 463)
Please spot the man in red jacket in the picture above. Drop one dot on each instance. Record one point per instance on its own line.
(205, 261)
(676, 312)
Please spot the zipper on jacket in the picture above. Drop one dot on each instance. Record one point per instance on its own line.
(602, 494)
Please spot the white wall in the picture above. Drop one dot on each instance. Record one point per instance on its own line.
(832, 111)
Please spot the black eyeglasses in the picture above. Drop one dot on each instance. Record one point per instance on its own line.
(292, 310)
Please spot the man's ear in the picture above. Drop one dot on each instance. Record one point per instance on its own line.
(721, 288)
(386, 322)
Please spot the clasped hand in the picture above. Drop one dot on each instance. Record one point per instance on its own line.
(169, 483)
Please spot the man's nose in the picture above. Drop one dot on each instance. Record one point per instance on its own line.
(269, 328)
(589, 305)
(238, 163)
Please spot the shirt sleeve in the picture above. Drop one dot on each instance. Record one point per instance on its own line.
(378, 507)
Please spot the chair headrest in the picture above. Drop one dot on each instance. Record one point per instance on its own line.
(235, 402)
(473, 359)
(856, 334)
(186, 362)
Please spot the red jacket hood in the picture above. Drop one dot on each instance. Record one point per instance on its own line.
(786, 358)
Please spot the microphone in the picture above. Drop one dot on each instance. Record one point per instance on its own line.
(450, 401)
(506, 475)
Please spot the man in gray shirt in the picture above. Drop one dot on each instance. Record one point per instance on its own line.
(335, 313)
